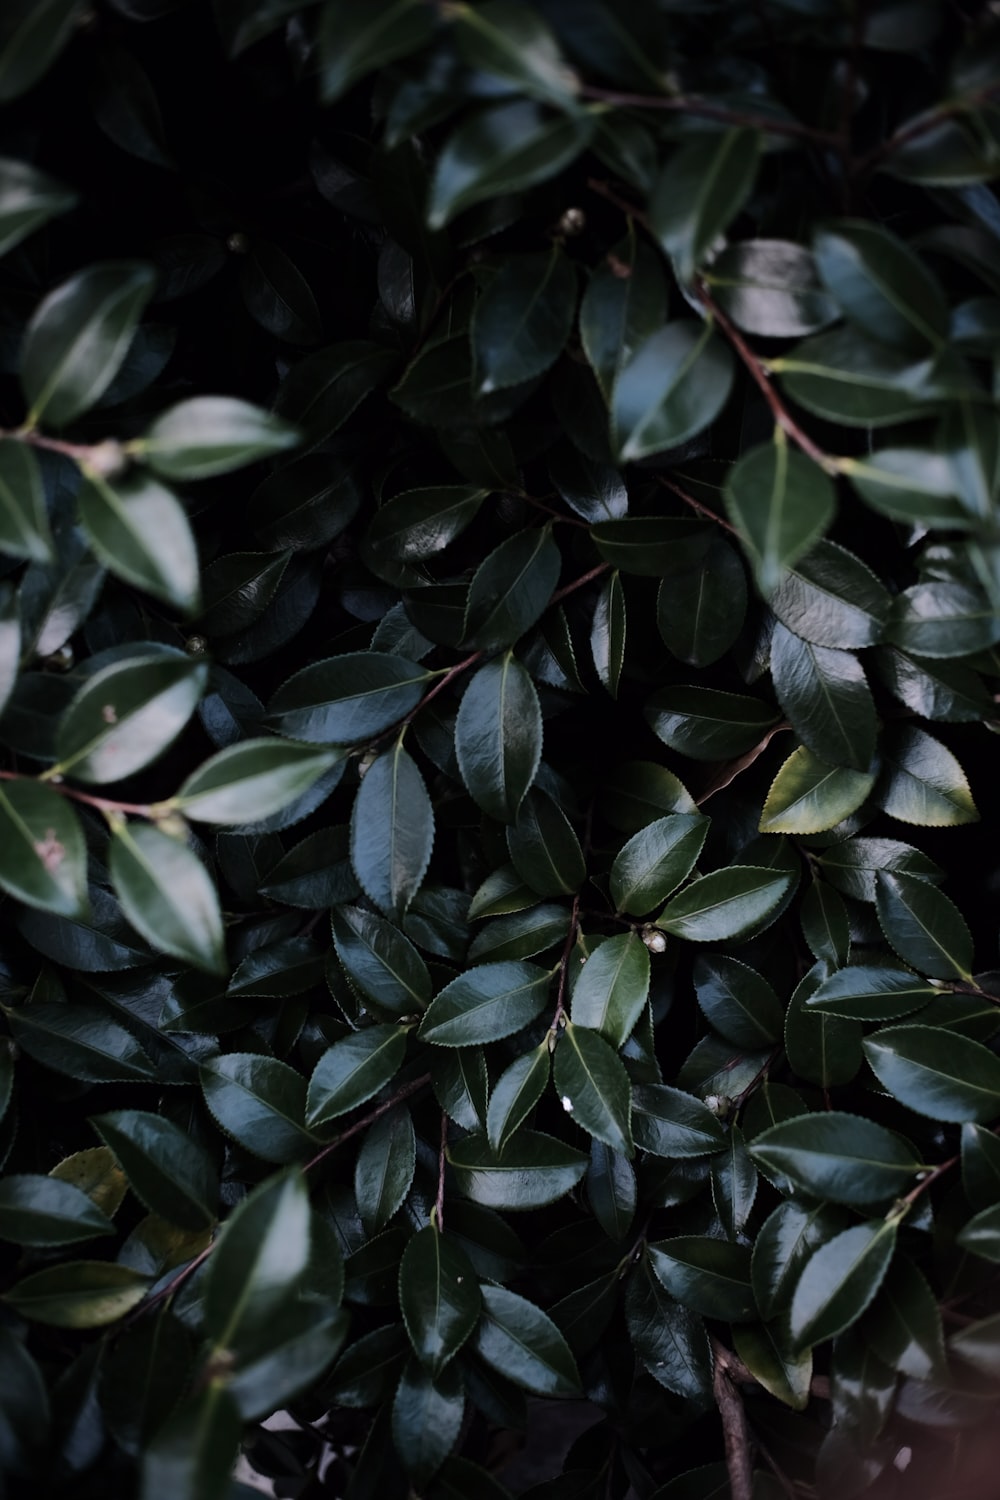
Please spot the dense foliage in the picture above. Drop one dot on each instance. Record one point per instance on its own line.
(499, 638)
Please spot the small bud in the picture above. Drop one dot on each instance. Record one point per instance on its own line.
(174, 826)
(654, 940)
(196, 645)
(366, 762)
(106, 460)
(572, 222)
(61, 660)
(238, 243)
(718, 1104)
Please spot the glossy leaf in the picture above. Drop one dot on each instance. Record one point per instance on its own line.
(702, 188)
(739, 1002)
(947, 1077)
(825, 695)
(780, 504)
(532, 1170)
(845, 1158)
(809, 795)
(356, 39)
(668, 1122)
(498, 737)
(611, 992)
(655, 861)
(168, 895)
(707, 724)
(770, 287)
(510, 589)
(392, 831)
(24, 524)
(352, 1070)
(832, 599)
(348, 699)
(251, 780)
(726, 904)
(260, 1102)
(261, 1256)
(28, 199)
(383, 1171)
(675, 384)
(607, 633)
(840, 1281)
(593, 1086)
(523, 319)
(710, 1276)
(439, 1297)
(515, 1094)
(170, 1173)
(44, 1212)
(141, 533)
(78, 1294)
(922, 782)
(881, 284)
(520, 1341)
(868, 992)
(381, 961)
(486, 1002)
(923, 925)
(43, 858)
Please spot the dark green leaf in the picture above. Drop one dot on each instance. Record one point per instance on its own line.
(726, 904)
(358, 38)
(544, 848)
(981, 1234)
(943, 619)
(826, 696)
(531, 1171)
(655, 861)
(141, 533)
(439, 1297)
(261, 1256)
(674, 386)
(781, 504)
(128, 713)
(43, 858)
(700, 611)
(832, 599)
(770, 287)
(980, 1165)
(460, 1083)
(939, 1074)
(786, 1241)
(211, 435)
(808, 795)
(511, 588)
(669, 1339)
(419, 523)
(765, 1350)
(668, 1122)
(383, 1172)
(522, 1343)
(842, 1157)
(925, 928)
(611, 992)
(79, 336)
(593, 1086)
(80, 1041)
(699, 192)
(381, 961)
(825, 924)
(908, 484)
(168, 895)
(706, 724)
(707, 1275)
(143, 1377)
(523, 319)
(903, 1325)
(821, 1048)
(738, 1001)
(498, 737)
(840, 1281)
(510, 42)
(607, 633)
(78, 1294)
(348, 699)
(851, 380)
(24, 524)
(193, 1452)
(515, 1094)
(485, 1003)
(352, 1070)
(881, 284)
(392, 831)
(852, 866)
(171, 1173)
(28, 198)
(252, 780)
(922, 782)
(261, 1103)
(869, 992)
(44, 1212)
(625, 302)
(427, 1418)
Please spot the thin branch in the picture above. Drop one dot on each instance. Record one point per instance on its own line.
(734, 768)
(172, 1286)
(703, 510)
(405, 1092)
(704, 109)
(442, 1164)
(922, 125)
(605, 190)
(560, 1010)
(759, 375)
(735, 1432)
(103, 804)
(79, 452)
(579, 583)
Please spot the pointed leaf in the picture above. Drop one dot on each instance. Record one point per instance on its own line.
(392, 831)
(882, 285)
(831, 598)
(498, 737)
(78, 1294)
(625, 302)
(515, 1094)
(383, 963)
(260, 1102)
(140, 531)
(128, 713)
(707, 724)
(607, 633)
(707, 1275)
(699, 192)
(523, 319)
(261, 1256)
(655, 861)
(358, 38)
(781, 504)
(869, 992)
(43, 857)
(170, 1172)
(427, 1418)
(511, 42)
(924, 926)
(24, 524)
(770, 287)
(251, 780)
(485, 1003)
(544, 848)
(531, 1171)
(937, 1073)
(593, 1086)
(923, 783)
(826, 696)
(439, 1297)
(522, 1343)
(347, 700)
(809, 795)
(193, 1452)
(786, 1240)
(511, 589)
(764, 1349)
(212, 435)
(726, 904)
(737, 1001)
(842, 1157)
(168, 895)
(699, 613)
(383, 1172)
(668, 1122)
(674, 386)
(611, 992)
(668, 1338)
(28, 199)
(44, 1212)
(840, 1281)
(352, 1070)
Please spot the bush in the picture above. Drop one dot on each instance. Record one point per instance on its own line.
(500, 608)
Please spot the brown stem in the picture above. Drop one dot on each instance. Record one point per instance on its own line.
(405, 1092)
(560, 1009)
(735, 1432)
(759, 375)
(734, 768)
(605, 190)
(921, 126)
(703, 510)
(442, 1163)
(172, 1286)
(689, 104)
(103, 804)
(579, 583)
(79, 452)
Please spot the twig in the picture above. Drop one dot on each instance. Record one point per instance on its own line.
(560, 1009)
(703, 510)
(579, 583)
(405, 1092)
(734, 768)
(442, 1163)
(605, 190)
(735, 1432)
(759, 375)
(690, 104)
(172, 1286)
(103, 804)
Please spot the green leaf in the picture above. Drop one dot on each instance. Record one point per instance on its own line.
(28, 198)
(511, 589)
(420, 523)
(261, 1103)
(607, 633)
(593, 1086)
(170, 1172)
(141, 534)
(844, 1158)
(925, 928)
(143, 1377)
(251, 780)
(670, 1123)
(699, 192)
(825, 924)
(427, 1418)
(521, 934)
(383, 1171)
(946, 690)
(33, 35)
(943, 619)
(770, 287)
(383, 963)
(980, 1165)
(617, 313)
(24, 524)
(821, 1048)
(532, 1170)
(347, 700)
(781, 504)
(937, 1073)
(509, 41)
(786, 1240)
(515, 1094)
(981, 1233)
(825, 695)
(734, 1181)
(77, 1294)
(392, 831)
(832, 599)
(903, 1325)
(668, 1338)
(912, 485)
(80, 1041)
(651, 546)
(79, 336)
(504, 149)
(485, 1003)
(523, 319)
(764, 1349)
(261, 1256)
(278, 970)
(43, 857)
(168, 895)
(922, 782)
(305, 503)
(655, 861)
(737, 1001)
(611, 992)
(439, 1297)
(194, 1450)
(881, 284)
(852, 866)
(544, 848)
(211, 435)
(869, 992)
(520, 1342)
(840, 1280)
(352, 1070)
(706, 1275)
(309, 1342)
(128, 713)
(498, 737)
(675, 385)
(44, 1212)
(726, 904)
(699, 613)
(808, 795)
(357, 37)
(707, 724)
(850, 380)
(461, 1084)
